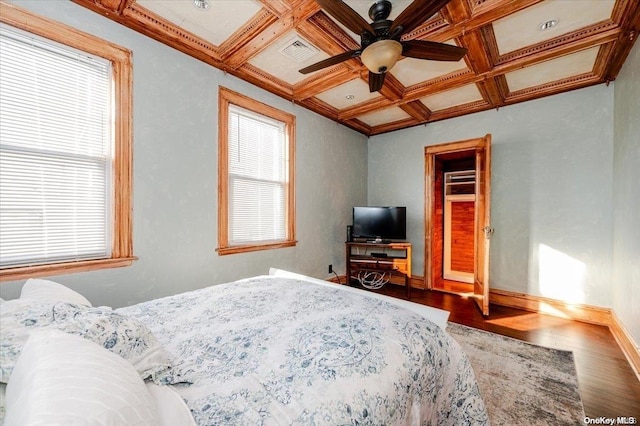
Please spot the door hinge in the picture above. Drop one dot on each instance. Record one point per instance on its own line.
(487, 231)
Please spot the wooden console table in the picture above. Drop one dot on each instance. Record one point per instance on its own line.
(394, 258)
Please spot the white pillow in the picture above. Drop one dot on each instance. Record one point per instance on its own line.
(51, 291)
(171, 408)
(120, 334)
(61, 379)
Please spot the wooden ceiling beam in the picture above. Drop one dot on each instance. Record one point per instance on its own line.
(456, 11)
(480, 17)
(440, 84)
(264, 38)
(392, 89)
(322, 108)
(396, 125)
(494, 90)
(365, 108)
(554, 87)
(331, 37)
(249, 31)
(264, 80)
(278, 8)
(477, 58)
(417, 110)
(460, 110)
(323, 81)
(358, 126)
(116, 6)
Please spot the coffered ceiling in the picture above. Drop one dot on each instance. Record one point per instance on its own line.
(510, 57)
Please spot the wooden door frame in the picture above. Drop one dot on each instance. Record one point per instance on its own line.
(482, 217)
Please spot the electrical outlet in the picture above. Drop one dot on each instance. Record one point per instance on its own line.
(330, 269)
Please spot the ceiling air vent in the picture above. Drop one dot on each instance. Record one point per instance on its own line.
(298, 49)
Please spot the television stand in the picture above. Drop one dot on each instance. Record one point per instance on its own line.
(392, 258)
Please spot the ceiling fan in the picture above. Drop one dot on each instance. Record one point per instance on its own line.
(380, 44)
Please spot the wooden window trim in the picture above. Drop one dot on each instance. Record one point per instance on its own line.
(227, 97)
(120, 58)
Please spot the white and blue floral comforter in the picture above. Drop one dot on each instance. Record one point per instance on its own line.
(272, 350)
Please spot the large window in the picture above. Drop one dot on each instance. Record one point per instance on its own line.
(255, 170)
(65, 149)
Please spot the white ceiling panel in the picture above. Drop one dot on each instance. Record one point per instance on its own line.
(521, 29)
(215, 25)
(553, 70)
(410, 71)
(384, 116)
(273, 61)
(450, 98)
(340, 96)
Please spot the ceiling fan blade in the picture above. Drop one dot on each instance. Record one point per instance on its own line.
(423, 49)
(346, 16)
(416, 13)
(330, 61)
(376, 81)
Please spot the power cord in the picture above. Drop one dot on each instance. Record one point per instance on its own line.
(373, 280)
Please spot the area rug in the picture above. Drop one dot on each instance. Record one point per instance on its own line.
(521, 383)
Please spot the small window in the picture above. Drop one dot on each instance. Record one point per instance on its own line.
(65, 155)
(255, 172)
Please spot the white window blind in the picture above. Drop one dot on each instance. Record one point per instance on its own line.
(257, 178)
(55, 152)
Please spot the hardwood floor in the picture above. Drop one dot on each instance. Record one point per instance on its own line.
(608, 385)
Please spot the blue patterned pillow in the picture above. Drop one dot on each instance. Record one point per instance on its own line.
(118, 333)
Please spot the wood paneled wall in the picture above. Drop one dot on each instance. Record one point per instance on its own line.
(462, 236)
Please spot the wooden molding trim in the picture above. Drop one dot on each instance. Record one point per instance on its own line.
(584, 313)
(15, 274)
(122, 79)
(558, 308)
(227, 97)
(629, 347)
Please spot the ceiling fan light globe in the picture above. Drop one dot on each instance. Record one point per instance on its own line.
(381, 56)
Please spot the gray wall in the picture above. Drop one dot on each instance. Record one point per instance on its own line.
(175, 177)
(552, 180)
(626, 195)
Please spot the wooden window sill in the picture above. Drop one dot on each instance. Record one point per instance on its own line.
(24, 272)
(222, 251)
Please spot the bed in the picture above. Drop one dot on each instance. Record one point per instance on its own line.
(273, 349)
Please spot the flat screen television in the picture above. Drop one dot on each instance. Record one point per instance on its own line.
(380, 223)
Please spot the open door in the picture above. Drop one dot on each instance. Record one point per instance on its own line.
(470, 154)
(483, 228)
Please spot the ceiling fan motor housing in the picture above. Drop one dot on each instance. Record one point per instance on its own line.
(380, 10)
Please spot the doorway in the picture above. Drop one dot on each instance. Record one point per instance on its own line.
(457, 218)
